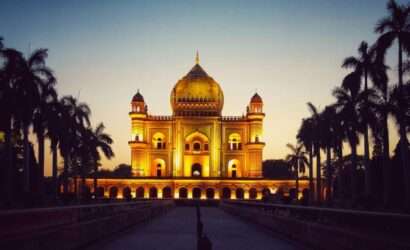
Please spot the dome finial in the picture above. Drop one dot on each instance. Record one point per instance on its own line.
(197, 57)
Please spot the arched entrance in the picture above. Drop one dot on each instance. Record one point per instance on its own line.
(226, 193)
(196, 170)
(166, 192)
(113, 192)
(126, 193)
(239, 193)
(196, 193)
(158, 168)
(253, 193)
(183, 193)
(140, 192)
(153, 193)
(210, 193)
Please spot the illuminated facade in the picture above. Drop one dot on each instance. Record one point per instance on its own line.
(195, 152)
(197, 141)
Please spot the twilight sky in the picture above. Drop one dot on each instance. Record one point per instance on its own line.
(103, 51)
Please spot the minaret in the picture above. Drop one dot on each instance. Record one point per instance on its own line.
(255, 117)
(138, 140)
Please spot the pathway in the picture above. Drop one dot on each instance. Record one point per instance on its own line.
(177, 230)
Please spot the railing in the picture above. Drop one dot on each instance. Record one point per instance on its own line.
(160, 117)
(73, 225)
(234, 118)
(325, 228)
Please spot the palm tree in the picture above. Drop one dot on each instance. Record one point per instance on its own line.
(366, 66)
(329, 120)
(42, 114)
(394, 27)
(348, 105)
(31, 76)
(399, 101)
(99, 141)
(305, 137)
(6, 76)
(297, 161)
(56, 133)
(316, 124)
(8, 102)
(76, 117)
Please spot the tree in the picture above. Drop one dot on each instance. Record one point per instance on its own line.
(123, 171)
(305, 137)
(99, 141)
(329, 139)
(32, 73)
(41, 117)
(317, 140)
(9, 57)
(276, 169)
(76, 117)
(366, 66)
(348, 105)
(396, 27)
(380, 107)
(56, 133)
(297, 161)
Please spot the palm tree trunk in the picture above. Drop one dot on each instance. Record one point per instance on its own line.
(311, 185)
(8, 180)
(386, 162)
(318, 176)
(339, 176)
(54, 166)
(403, 135)
(75, 186)
(368, 175)
(353, 169)
(82, 190)
(65, 173)
(26, 148)
(40, 139)
(95, 180)
(297, 183)
(329, 175)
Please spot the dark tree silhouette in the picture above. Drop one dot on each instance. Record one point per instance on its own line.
(305, 137)
(316, 123)
(396, 27)
(297, 162)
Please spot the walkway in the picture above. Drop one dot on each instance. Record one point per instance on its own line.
(177, 230)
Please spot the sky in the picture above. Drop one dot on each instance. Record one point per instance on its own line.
(102, 52)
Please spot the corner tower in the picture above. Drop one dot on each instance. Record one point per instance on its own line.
(255, 145)
(138, 142)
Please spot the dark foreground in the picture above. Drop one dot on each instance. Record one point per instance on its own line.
(177, 230)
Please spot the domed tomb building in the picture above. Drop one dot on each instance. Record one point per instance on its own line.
(196, 152)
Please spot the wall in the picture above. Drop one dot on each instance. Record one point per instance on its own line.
(322, 229)
(73, 227)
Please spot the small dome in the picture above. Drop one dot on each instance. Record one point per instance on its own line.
(138, 97)
(256, 98)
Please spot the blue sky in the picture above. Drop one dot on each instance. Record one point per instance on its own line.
(103, 51)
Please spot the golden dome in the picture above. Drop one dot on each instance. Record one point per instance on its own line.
(197, 94)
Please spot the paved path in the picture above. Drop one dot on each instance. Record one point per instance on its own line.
(177, 230)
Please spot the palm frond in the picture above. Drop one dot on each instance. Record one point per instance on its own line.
(312, 109)
(350, 62)
(384, 24)
(291, 147)
(37, 58)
